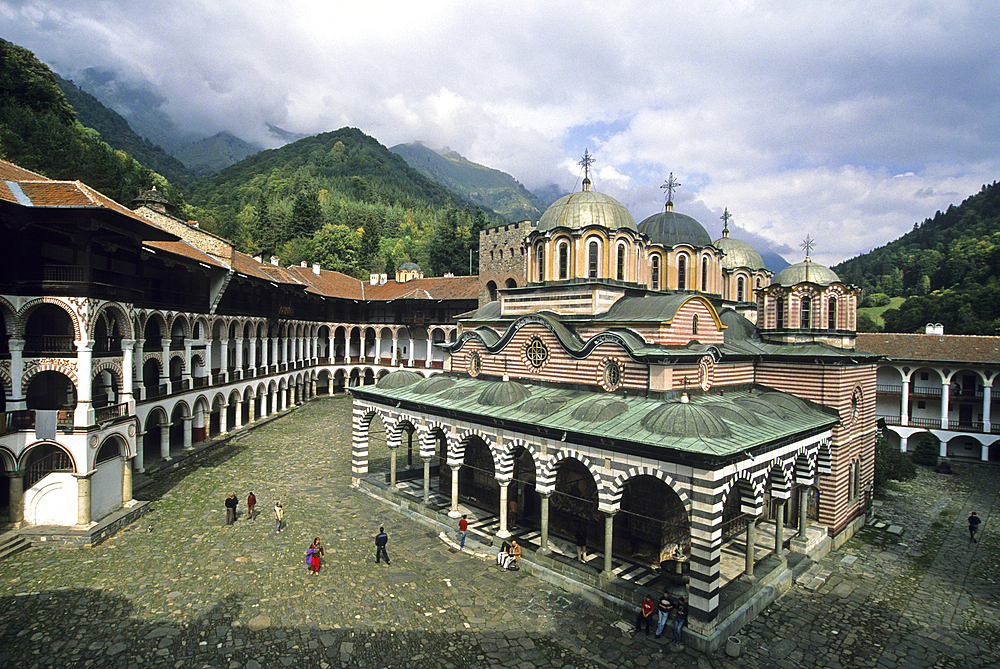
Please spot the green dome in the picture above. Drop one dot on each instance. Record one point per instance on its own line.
(600, 410)
(503, 394)
(433, 384)
(682, 419)
(579, 210)
(806, 271)
(670, 228)
(399, 379)
(738, 254)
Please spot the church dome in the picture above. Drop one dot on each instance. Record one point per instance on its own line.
(681, 419)
(806, 271)
(738, 254)
(670, 228)
(579, 210)
(399, 379)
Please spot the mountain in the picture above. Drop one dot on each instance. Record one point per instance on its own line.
(549, 194)
(485, 186)
(116, 131)
(947, 268)
(208, 156)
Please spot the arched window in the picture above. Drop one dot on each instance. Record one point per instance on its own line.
(779, 313)
(704, 275)
(739, 290)
(592, 260)
(654, 264)
(541, 262)
(832, 314)
(758, 282)
(501, 254)
(694, 324)
(564, 260)
(681, 272)
(621, 262)
(805, 313)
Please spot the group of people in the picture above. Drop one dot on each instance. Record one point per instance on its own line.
(509, 555)
(668, 607)
(232, 503)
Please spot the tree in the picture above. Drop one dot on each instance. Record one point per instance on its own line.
(371, 237)
(307, 214)
(335, 247)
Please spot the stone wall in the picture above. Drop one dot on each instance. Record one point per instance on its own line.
(503, 257)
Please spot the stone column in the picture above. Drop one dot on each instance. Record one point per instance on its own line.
(454, 512)
(945, 392)
(409, 361)
(378, 350)
(83, 497)
(137, 357)
(16, 489)
(395, 346)
(224, 358)
(253, 354)
(503, 533)
(84, 414)
(427, 362)
(126, 481)
(392, 468)
(751, 541)
(238, 414)
(904, 409)
(803, 508)
(427, 480)
(779, 529)
(17, 400)
(902, 444)
(187, 372)
(987, 398)
(165, 440)
(609, 529)
(128, 372)
(165, 364)
(188, 423)
(140, 464)
(544, 540)
(239, 355)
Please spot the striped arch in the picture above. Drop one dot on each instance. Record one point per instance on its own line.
(395, 438)
(65, 367)
(112, 366)
(5, 378)
(505, 468)
(186, 326)
(9, 315)
(25, 313)
(618, 485)
(749, 490)
(429, 438)
(456, 447)
(824, 458)
(805, 467)
(779, 479)
(123, 319)
(546, 479)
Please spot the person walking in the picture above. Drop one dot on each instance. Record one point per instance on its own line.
(581, 543)
(315, 553)
(231, 504)
(974, 521)
(381, 539)
(463, 529)
(645, 614)
(279, 517)
(251, 504)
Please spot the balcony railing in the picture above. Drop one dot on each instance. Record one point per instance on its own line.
(15, 421)
(58, 345)
(58, 461)
(888, 389)
(109, 413)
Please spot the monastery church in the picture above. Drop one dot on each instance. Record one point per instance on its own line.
(663, 392)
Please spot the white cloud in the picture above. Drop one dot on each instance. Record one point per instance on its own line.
(849, 121)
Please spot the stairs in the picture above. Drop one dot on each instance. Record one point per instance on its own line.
(11, 544)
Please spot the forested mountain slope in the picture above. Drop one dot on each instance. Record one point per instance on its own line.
(948, 268)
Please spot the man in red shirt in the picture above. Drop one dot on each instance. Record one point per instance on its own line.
(645, 614)
(463, 528)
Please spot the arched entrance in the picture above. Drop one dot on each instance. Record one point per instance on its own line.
(652, 525)
(573, 504)
(477, 479)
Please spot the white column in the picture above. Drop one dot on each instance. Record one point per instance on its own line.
(137, 357)
(165, 367)
(188, 367)
(224, 355)
(188, 423)
(904, 409)
(395, 346)
(427, 362)
(378, 348)
(503, 533)
(945, 389)
(84, 378)
(239, 354)
(83, 497)
(253, 353)
(126, 481)
(987, 398)
(609, 530)
(17, 400)
(140, 465)
(165, 440)
(409, 362)
(223, 419)
(128, 371)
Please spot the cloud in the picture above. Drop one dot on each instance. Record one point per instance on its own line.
(849, 121)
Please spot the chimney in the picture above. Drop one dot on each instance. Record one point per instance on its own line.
(316, 268)
(259, 258)
(383, 279)
(274, 260)
(303, 264)
(373, 279)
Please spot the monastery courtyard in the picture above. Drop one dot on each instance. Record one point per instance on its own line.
(181, 589)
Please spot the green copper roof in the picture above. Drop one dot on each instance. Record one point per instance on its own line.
(806, 271)
(586, 208)
(738, 254)
(670, 228)
(716, 424)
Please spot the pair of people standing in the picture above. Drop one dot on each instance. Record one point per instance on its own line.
(232, 504)
(667, 607)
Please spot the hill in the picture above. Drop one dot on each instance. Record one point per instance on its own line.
(117, 132)
(40, 131)
(483, 185)
(947, 268)
(207, 156)
(341, 199)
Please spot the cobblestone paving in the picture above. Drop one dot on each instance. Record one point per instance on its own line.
(181, 589)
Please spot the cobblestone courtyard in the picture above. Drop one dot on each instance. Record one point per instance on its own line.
(182, 589)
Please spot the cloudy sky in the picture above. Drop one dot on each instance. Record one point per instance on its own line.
(845, 121)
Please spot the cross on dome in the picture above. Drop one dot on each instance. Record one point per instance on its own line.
(587, 161)
(725, 222)
(670, 185)
(808, 244)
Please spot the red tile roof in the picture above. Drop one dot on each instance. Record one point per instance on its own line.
(944, 348)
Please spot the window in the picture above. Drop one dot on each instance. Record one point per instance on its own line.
(621, 262)
(805, 314)
(694, 324)
(704, 275)
(779, 313)
(475, 364)
(541, 262)
(536, 352)
(681, 272)
(923, 376)
(564, 260)
(832, 324)
(758, 282)
(655, 273)
(739, 290)
(592, 253)
(612, 374)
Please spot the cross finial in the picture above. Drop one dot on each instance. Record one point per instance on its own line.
(725, 222)
(808, 244)
(670, 185)
(587, 161)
